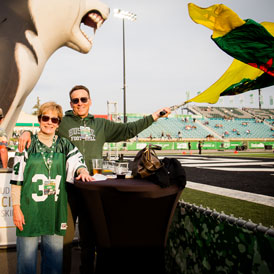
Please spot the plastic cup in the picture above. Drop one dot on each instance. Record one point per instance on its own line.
(121, 169)
(97, 165)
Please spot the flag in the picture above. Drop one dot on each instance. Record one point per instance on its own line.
(241, 98)
(271, 100)
(251, 98)
(238, 78)
(254, 69)
(250, 43)
(261, 99)
(231, 100)
(188, 95)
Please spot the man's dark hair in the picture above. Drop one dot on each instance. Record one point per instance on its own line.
(78, 87)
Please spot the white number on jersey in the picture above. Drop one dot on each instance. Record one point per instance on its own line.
(43, 178)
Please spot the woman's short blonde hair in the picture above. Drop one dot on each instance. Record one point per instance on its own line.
(50, 106)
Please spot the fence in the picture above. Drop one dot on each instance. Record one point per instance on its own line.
(205, 241)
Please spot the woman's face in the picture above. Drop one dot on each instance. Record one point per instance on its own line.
(48, 121)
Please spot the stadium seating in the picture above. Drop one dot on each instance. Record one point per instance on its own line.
(222, 112)
(208, 121)
(170, 127)
(240, 128)
(261, 113)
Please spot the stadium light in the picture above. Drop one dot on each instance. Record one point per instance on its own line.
(131, 17)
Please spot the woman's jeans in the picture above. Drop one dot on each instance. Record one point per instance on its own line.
(51, 254)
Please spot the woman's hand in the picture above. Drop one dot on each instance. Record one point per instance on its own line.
(18, 217)
(83, 175)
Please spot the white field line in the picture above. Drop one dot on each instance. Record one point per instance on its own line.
(211, 160)
(228, 164)
(216, 159)
(241, 169)
(246, 196)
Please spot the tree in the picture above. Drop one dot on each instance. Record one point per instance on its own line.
(36, 107)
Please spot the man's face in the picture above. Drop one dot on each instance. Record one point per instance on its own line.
(80, 102)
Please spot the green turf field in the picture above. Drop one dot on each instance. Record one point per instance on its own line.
(257, 213)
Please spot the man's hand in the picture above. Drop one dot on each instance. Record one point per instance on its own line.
(24, 139)
(156, 115)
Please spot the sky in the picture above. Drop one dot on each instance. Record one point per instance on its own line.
(167, 56)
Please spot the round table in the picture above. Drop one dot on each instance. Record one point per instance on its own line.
(131, 218)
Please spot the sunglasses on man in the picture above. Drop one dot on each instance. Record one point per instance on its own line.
(82, 99)
(45, 118)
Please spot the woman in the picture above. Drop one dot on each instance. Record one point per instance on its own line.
(39, 194)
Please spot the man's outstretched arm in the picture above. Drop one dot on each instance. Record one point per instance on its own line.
(24, 139)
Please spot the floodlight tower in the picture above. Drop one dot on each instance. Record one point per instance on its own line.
(132, 17)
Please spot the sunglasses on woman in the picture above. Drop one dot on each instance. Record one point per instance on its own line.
(82, 99)
(45, 118)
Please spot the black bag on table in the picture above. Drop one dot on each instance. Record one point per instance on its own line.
(146, 161)
(164, 172)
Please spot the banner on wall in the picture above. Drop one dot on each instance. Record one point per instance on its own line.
(7, 228)
(212, 145)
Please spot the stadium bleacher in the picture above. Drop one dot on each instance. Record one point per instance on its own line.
(240, 128)
(222, 112)
(172, 127)
(261, 113)
(216, 122)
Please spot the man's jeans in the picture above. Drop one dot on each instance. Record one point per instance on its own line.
(51, 254)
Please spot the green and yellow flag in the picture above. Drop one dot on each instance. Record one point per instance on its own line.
(250, 43)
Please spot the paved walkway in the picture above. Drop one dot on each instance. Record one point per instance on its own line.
(8, 261)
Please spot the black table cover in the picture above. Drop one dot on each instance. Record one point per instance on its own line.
(131, 218)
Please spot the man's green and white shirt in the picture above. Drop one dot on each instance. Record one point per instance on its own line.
(44, 197)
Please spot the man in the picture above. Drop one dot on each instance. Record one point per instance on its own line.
(3, 144)
(89, 134)
(200, 147)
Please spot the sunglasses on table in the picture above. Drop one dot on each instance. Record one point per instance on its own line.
(45, 118)
(82, 99)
